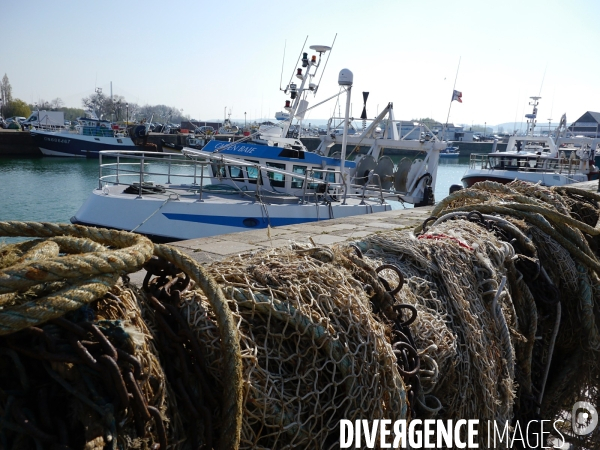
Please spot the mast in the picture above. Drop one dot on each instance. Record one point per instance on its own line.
(346, 79)
(450, 106)
(531, 118)
(297, 93)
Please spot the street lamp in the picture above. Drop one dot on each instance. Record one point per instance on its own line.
(244, 119)
(127, 106)
(484, 128)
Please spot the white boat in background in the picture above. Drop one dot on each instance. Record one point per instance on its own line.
(450, 152)
(537, 159)
(265, 179)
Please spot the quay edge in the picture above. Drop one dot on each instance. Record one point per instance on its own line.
(19, 144)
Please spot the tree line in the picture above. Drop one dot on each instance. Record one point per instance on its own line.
(115, 108)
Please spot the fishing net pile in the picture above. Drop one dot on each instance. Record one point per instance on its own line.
(505, 279)
(487, 311)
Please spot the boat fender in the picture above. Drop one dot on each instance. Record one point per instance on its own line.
(454, 188)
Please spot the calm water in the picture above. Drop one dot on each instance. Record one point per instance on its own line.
(52, 189)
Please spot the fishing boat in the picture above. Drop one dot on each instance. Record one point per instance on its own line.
(86, 139)
(263, 180)
(450, 152)
(548, 160)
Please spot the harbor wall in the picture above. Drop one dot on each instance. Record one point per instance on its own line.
(19, 144)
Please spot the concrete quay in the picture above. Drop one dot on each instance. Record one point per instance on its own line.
(325, 232)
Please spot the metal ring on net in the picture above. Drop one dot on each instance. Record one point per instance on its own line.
(477, 217)
(398, 348)
(357, 249)
(425, 222)
(397, 270)
(398, 308)
(430, 410)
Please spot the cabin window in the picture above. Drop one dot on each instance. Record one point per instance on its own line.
(276, 179)
(236, 173)
(252, 172)
(297, 183)
(330, 176)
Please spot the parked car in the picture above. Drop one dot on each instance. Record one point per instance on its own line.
(14, 123)
(17, 119)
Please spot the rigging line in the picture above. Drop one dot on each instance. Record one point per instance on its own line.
(326, 61)
(148, 218)
(299, 56)
(543, 77)
(282, 64)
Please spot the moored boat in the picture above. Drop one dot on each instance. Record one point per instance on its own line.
(450, 152)
(263, 180)
(86, 139)
(551, 161)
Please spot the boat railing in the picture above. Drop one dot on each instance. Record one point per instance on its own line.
(524, 163)
(134, 167)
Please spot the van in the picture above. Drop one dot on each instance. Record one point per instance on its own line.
(47, 119)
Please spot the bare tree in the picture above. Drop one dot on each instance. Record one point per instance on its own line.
(99, 104)
(5, 90)
(57, 103)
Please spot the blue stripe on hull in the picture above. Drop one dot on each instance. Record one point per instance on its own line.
(241, 222)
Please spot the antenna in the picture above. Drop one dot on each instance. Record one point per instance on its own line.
(326, 61)
(282, 63)
(543, 77)
(453, 89)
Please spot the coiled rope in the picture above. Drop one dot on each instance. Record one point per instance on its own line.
(93, 260)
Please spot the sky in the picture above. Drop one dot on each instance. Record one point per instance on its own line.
(212, 58)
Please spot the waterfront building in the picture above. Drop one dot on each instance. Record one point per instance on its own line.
(586, 125)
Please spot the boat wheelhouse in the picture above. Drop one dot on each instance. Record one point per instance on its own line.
(551, 161)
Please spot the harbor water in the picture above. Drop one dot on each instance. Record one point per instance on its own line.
(52, 189)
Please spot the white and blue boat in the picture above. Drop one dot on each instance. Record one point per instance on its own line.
(87, 138)
(264, 180)
(450, 152)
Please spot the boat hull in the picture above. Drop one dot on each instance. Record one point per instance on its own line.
(75, 145)
(167, 219)
(473, 176)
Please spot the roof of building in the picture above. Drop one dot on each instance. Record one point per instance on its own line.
(589, 116)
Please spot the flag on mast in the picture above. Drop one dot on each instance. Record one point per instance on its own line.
(457, 95)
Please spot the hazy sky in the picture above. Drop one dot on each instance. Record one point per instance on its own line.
(205, 56)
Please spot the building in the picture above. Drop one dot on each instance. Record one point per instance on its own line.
(586, 125)
(409, 129)
(186, 124)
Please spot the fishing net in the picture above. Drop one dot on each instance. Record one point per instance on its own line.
(544, 242)
(487, 311)
(88, 379)
(312, 350)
